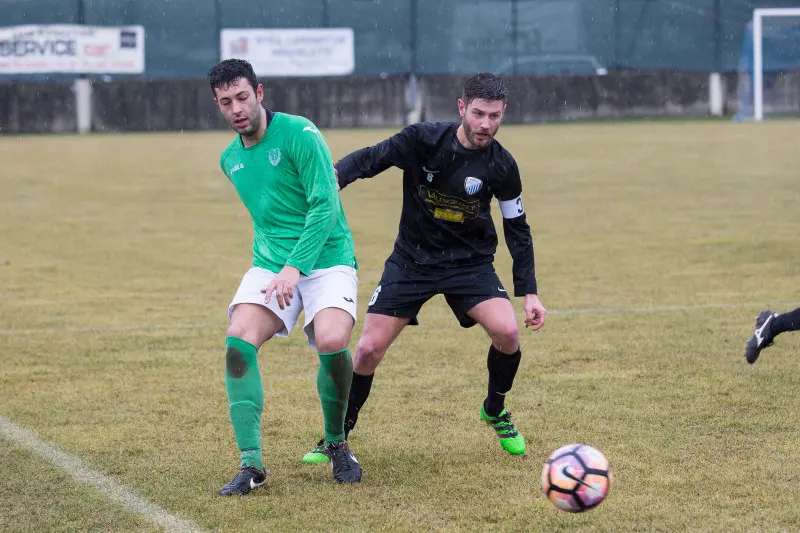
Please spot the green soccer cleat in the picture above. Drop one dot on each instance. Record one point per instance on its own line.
(318, 455)
(511, 440)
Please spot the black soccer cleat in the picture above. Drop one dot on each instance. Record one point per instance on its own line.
(762, 336)
(346, 468)
(247, 479)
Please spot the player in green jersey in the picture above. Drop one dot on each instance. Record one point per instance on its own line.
(303, 259)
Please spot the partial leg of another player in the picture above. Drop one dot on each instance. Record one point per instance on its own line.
(251, 325)
(768, 326)
(379, 333)
(497, 317)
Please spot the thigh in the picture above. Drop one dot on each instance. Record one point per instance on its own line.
(254, 324)
(330, 302)
(249, 292)
(402, 292)
(466, 291)
(496, 316)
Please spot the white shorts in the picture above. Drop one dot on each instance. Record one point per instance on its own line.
(328, 287)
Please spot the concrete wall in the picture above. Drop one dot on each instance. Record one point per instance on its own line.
(619, 95)
(37, 108)
(189, 105)
(380, 101)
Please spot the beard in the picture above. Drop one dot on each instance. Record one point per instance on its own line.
(472, 135)
(253, 122)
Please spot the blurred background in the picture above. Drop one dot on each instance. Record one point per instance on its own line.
(140, 65)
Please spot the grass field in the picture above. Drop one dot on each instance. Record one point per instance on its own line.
(656, 245)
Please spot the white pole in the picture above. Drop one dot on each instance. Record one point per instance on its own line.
(716, 94)
(758, 64)
(83, 104)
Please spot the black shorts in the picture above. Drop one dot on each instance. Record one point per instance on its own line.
(404, 288)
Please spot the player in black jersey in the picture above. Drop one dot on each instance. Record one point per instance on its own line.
(446, 245)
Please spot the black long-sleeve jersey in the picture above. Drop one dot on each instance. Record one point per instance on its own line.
(447, 192)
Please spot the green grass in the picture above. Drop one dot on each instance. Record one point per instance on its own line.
(656, 245)
(37, 497)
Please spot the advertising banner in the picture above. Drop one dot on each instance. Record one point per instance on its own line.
(71, 48)
(292, 52)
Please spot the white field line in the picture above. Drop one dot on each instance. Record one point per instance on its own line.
(101, 482)
(777, 306)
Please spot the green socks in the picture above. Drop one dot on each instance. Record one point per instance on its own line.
(246, 398)
(334, 378)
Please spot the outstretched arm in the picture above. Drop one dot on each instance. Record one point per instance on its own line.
(371, 161)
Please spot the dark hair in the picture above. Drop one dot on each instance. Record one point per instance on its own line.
(484, 86)
(227, 71)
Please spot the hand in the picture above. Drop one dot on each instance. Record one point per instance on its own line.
(283, 286)
(534, 312)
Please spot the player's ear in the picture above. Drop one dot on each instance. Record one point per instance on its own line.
(260, 92)
(461, 107)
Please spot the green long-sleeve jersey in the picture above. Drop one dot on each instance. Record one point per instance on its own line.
(288, 185)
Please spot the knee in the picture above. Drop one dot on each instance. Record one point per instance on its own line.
(332, 341)
(369, 352)
(246, 334)
(238, 331)
(506, 337)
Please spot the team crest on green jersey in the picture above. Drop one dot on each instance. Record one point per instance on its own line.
(275, 156)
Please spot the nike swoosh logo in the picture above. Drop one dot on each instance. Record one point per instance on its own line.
(430, 171)
(254, 485)
(311, 129)
(346, 299)
(759, 331)
(501, 289)
(566, 473)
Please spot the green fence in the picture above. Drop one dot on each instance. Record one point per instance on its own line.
(437, 36)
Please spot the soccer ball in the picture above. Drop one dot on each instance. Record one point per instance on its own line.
(576, 478)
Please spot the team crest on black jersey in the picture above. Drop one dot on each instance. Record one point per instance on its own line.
(472, 185)
(275, 156)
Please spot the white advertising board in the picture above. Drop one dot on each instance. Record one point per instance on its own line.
(292, 52)
(71, 48)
